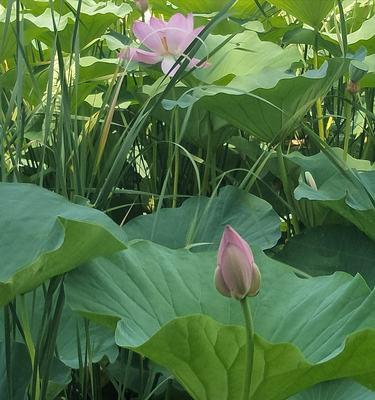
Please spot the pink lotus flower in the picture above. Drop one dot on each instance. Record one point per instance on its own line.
(236, 274)
(166, 40)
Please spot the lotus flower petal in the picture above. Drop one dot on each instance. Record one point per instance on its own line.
(167, 64)
(179, 33)
(149, 37)
(157, 24)
(220, 283)
(133, 54)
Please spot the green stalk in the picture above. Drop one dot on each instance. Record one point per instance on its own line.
(286, 188)
(368, 153)
(154, 159)
(319, 109)
(207, 166)
(249, 348)
(30, 346)
(176, 158)
(348, 108)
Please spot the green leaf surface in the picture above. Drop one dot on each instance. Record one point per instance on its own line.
(310, 12)
(236, 58)
(350, 194)
(95, 19)
(166, 307)
(258, 104)
(369, 79)
(302, 35)
(343, 389)
(43, 235)
(20, 374)
(319, 252)
(100, 341)
(202, 220)
(362, 37)
(242, 8)
(20, 368)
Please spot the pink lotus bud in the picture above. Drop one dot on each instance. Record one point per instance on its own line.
(142, 5)
(236, 274)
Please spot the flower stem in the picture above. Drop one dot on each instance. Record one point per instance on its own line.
(249, 348)
(207, 167)
(286, 188)
(319, 109)
(176, 158)
(348, 108)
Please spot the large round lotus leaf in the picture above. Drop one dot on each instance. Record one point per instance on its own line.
(319, 252)
(310, 12)
(43, 235)
(236, 59)
(342, 389)
(256, 103)
(202, 220)
(164, 305)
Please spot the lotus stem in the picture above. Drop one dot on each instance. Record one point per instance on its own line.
(207, 167)
(249, 347)
(348, 108)
(176, 159)
(286, 188)
(319, 109)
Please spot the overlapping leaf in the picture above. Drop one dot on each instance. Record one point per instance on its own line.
(43, 235)
(165, 307)
(95, 18)
(336, 390)
(258, 104)
(318, 252)
(242, 8)
(202, 220)
(350, 194)
(310, 12)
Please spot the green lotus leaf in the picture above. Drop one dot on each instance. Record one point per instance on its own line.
(341, 389)
(201, 220)
(350, 194)
(163, 305)
(363, 37)
(44, 235)
(236, 59)
(369, 79)
(242, 8)
(95, 18)
(318, 252)
(99, 339)
(20, 374)
(310, 12)
(20, 377)
(257, 103)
